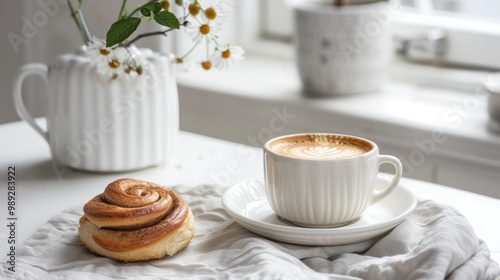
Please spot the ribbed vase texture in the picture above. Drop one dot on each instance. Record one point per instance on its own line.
(115, 125)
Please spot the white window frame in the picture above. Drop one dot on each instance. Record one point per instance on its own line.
(482, 38)
(250, 35)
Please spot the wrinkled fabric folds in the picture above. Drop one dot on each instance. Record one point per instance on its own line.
(434, 242)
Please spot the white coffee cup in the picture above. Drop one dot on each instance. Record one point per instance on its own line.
(323, 179)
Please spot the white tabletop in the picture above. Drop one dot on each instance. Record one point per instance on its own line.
(43, 191)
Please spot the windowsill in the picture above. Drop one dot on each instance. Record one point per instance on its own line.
(238, 104)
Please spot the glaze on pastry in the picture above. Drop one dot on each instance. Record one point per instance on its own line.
(135, 220)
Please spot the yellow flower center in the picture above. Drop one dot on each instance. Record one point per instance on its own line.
(210, 13)
(207, 65)
(165, 4)
(104, 51)
(226, 54)
(194, 9)
(114, 63)
(204, 29)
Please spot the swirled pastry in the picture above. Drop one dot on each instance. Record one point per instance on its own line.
(135, 220)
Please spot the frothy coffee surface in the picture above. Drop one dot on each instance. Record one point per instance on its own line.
(318, 146)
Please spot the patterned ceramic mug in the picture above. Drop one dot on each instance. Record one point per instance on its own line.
(342, 50)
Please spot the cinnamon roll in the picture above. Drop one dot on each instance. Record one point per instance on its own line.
(135, 220)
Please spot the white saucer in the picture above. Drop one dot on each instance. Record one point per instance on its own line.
(246, 203)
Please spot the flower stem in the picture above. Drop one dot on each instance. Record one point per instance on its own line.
(190, 51)
(138, 8)
(208, 47)
(85, 30)
(147, 35)
(122, 9)
(73, 12)
(79, 21)
(164, 32)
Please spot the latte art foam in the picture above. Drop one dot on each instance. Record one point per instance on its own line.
(322, 147)
(321, 152)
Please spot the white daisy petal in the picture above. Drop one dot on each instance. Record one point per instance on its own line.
(98, 51)
(220, 8)
(116, 63)
(183, 65)
(203, 30)
(228, 56)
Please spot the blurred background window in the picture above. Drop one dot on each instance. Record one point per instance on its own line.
(467, 31)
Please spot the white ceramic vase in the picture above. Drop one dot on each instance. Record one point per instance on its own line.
(342, 50)
(106, 126)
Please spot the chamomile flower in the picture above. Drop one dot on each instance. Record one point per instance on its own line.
(203, 30)
(134, 63)
(98, 51)
(227, 56)
(200, 19)
(215, 10)
(131, 69)
(205, 22)
(116, 63)
(193, 8)
(206, 65)
(183, 64)
(114, 67)
(165, 4)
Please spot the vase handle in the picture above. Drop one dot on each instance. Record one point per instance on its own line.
(35, 68)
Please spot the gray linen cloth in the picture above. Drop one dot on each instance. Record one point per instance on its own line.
(434, 242)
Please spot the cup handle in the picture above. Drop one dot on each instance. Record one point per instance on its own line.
(380, 194)
(35, 68)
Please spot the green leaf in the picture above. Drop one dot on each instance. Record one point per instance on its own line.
(178, 2)
(153, 6)
(145, 12)
(121, 30)
(167, 19)
(156, 7)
